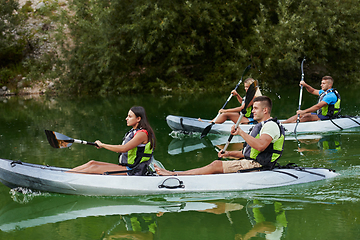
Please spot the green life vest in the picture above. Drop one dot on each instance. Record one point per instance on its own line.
(331, 110)
(138, 155)
(248, 113)
(272, 153)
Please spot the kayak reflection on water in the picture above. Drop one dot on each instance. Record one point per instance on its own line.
(267, 220)
(328, 144)
(144, 225)
(265, 223)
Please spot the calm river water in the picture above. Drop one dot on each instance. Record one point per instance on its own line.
(322, 210)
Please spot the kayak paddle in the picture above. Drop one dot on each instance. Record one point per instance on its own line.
(208, 128)
(249, 97)
(300, 97)
(58, 140)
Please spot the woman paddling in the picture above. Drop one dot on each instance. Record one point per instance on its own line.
(135, 151)
(234, 113)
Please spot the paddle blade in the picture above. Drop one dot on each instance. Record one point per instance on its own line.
(206, 130)
(246, 70)
(58, 140)
(250, 94)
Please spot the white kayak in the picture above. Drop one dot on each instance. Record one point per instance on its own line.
(54, 179)
(187, 124)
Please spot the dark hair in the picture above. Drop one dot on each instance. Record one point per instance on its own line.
(265, 100)
(144, 124)
(328, 78)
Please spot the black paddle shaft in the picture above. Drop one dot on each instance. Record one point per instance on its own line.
(249, 96)
(237, 85)
(208, 128)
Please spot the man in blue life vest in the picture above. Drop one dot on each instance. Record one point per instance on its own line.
(328, 105)
(264, 147)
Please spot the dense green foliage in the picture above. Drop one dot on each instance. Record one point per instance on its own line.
(146, 45)
(122, 46)
(137, 45)
(326, 32)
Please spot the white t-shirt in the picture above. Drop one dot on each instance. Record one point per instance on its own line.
(272, 129)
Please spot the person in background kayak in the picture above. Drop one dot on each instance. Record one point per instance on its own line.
(136, 150)
(234, 113)
(328, 105)
(264, 145)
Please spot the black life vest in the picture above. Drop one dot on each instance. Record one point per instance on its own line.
(272, 153)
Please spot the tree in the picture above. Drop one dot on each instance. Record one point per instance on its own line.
(125, 46)
(325, 32)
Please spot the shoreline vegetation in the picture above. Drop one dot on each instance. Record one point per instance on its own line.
(84, 47)
(27, 70)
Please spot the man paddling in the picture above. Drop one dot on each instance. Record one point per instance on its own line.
(264, 147)
(328, 105)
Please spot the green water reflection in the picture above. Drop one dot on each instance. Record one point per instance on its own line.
(321, 210)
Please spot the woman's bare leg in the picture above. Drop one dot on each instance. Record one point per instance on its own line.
(308, 117)
(98, 167)
(233, 116)
(290, 120)
(244, 120)
(212, 168)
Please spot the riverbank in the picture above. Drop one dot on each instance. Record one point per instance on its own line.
(37, 88)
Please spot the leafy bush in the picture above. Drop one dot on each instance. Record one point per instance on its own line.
(127, 46)
(325, 32)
